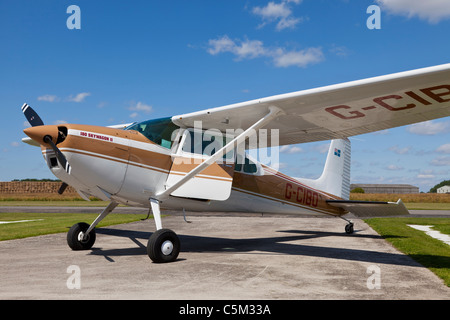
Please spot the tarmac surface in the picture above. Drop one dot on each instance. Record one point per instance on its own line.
(222, 257)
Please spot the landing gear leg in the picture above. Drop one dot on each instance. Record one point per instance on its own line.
(349, 226)
(163, 245)
(82, 236)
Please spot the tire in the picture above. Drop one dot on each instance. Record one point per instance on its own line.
(349, 228)
(163, 246)
(74, 237)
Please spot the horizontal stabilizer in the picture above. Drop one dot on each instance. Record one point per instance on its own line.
(371, 208)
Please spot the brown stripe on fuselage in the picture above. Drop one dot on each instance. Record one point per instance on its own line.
(122, 152)
(184, 165)
(285, 190)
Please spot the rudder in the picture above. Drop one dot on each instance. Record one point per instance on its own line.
(335, 178)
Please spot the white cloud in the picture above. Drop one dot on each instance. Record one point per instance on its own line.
(300, 58)
(251, 49)
(14, 144)
(429, 128)
(53, 98)
(445, 148)
(102, 104)
(399, 150)
(431, 10)
(322, 148)
(223, 44)
(278, 12)
(273, 10)
(340, 51)
(79, 97)
(426, 176)
(291, 149)
(441, 161)
(139, 107)
(394, 167)
(48, 98)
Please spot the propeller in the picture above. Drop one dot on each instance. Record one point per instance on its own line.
(32, 116)
(44, 134)
(59, 155)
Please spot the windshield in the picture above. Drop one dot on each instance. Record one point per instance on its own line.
(157, 130)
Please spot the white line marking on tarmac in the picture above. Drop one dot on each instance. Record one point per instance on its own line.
(432, 233)
(5, 222)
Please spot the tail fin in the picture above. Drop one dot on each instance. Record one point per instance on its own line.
(335, 178)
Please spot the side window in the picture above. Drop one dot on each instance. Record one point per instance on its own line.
(249, 166)
(238, 165)
(205, 143)
(246, 166)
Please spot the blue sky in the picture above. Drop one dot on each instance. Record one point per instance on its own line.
(137, 60)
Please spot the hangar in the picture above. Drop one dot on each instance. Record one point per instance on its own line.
(443, 189)
(386, 188)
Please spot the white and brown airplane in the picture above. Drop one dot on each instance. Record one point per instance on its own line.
(171, 163)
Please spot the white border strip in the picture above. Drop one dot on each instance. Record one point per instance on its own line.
(432, 233)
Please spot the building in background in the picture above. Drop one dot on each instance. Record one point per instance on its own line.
(386, 188)
(443, 189)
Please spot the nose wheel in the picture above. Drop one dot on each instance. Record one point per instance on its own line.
(77, 239)
(163, 246)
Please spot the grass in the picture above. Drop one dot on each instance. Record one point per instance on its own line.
(427, 206)
(406, 198)
(417, 201)
(429, 252)
(49, 223)
(53, 203)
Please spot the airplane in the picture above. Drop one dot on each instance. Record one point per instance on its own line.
(164, 163)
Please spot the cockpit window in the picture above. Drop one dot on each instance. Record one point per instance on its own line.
(204, 142)
(246, 166)
(157, 130)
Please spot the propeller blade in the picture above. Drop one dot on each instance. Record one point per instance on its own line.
(59, 155)
(62, 188)
(32, 116)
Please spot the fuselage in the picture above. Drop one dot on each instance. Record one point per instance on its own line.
(127, 167)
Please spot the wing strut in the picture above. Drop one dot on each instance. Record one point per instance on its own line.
(273, 113)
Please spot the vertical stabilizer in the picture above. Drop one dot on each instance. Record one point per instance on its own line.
(335, 178)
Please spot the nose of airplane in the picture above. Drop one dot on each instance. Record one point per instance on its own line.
(39, 133)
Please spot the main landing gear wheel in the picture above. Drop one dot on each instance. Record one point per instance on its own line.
(76, 239)
(349, 228)
(163, 246)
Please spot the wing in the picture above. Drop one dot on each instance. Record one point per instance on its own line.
(341, 110)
